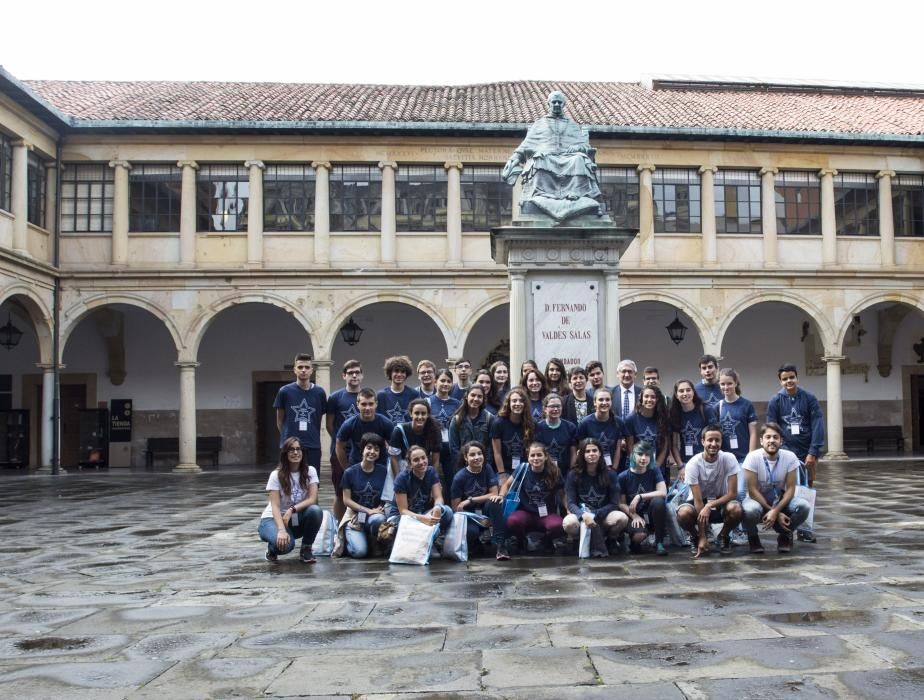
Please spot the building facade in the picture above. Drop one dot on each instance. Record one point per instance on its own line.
(174, 244)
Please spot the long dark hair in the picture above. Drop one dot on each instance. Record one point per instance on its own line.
(551, 475)
(431, 429)
(561, 387)
(463, 452)
(543, 384)
(529, 425)
(498, 390)
(677, 410)
(660, 414)
(462, 411)
(283, 468)
(602, 477)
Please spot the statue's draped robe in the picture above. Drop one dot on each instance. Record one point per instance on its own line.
(560, 184)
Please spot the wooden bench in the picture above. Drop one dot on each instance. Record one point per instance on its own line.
(167, 447)
(866, 436)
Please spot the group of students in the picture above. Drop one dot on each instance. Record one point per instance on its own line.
(576, 451)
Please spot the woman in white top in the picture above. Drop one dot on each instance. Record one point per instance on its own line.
(292, 511)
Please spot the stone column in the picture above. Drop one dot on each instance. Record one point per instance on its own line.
(187, 418)
(120, 211)
(453, 213)
(886, 222)
(388, 240)
(255, 213)
(768, 215)
(46, 429)
(517, 320)
(612, 353)
(646, 214)
(707, 188)
(188, 213)
(322, 379)
(19, 196)
(835, 410)
(321, 212)
(828, 224)
(515, 193)
(51, 180)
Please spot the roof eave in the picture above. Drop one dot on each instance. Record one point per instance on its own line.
(30, 101)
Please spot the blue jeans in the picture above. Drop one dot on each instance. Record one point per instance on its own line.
(797, 510)
(309, 522)
(357, 541)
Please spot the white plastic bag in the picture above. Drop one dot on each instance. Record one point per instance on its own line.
(455, 544)
(323, 545)
(413, 542)
(584, 542)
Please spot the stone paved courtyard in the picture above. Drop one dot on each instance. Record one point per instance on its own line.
(153, 585)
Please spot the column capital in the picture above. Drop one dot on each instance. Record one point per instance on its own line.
(50, 164)
(646, 166)
(450, 164)
(187, 164)
(885, 173)
(321, 164)
(322, 363)
(46, 366)
(120, 164)
(834, 359)
(186, 364)
(609, 275)
(254, 164)
(388, 164)
(827, 171)
(518, 275)
(708, 168)
(22, 143)
(770, 171)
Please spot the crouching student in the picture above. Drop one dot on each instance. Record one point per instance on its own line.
(292, 511)
(713, 479)
(642, 494)
(474, 490)
(592, 497)
(362, 486)
(540, 498)
(771, 474)
(418, 492)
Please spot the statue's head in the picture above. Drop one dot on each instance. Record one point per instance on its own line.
(556, 103)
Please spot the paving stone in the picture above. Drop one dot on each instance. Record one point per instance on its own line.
(891, 684)
(507, 668)
(472, 638)
(300, 642)
(214, 678)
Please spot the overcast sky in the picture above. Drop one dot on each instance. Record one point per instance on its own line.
(462, 41)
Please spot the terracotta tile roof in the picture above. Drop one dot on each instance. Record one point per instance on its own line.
(631, 105)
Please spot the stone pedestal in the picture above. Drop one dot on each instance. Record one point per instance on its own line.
(564, 299)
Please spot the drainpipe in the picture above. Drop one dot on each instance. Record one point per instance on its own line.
(56, 320)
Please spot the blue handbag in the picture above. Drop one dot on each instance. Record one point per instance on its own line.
(512, 499)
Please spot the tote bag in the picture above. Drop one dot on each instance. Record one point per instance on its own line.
(414, 542)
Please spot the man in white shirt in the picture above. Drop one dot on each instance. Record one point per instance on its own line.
(771, 474)
(713, 479)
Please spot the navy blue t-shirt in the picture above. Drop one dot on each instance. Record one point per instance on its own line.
(442, 410)
(341, 405)
(558, 441)
(465, 484)
(304, 408)
(535, 408)
(690, 430)
(418, 491)
(534, 491)
(511, 438)
(632, 484)
(365, 489)
(582, 489)
(394, 406)
(641, 428)
(711, 394)
(734, 418)
(352, 431)
(607, 433)
(457, 392)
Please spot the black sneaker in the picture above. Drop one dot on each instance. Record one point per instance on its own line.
(502, 553)
(806, 536)
(755, 545)
(270, 554)
(306, 556)
(725, 545)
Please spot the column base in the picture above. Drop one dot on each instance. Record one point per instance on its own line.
(47, 471)
(187, 469)
(835, 457)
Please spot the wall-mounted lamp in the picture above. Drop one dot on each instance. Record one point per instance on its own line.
(351, 332)
(10, 335)
(676, 330)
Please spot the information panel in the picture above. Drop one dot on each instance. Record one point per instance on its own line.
(565, 322)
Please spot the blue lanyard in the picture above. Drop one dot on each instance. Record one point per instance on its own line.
(770, 478)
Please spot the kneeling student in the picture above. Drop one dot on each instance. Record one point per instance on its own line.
(592, 497)
(475, 489)
(713, 479)
(642, 494)
(362, 486)
(771, 474)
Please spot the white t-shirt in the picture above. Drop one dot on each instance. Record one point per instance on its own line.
(296, 496)
(771, 476)
(711, 477)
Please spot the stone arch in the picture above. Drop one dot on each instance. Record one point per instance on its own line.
(39, 314)
(200, 325)
(79, 311)
(327, 337)
(892, 297)
(475, 315)
(822, 322)
(703, 327)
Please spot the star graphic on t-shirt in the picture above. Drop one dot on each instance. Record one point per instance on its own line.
(537, 413)
(729, 425)
(474, 488)
(650, 436)
(303, 412)
(421, 497)
(591, 497)
(554, 449)
(690, 433)
(368, 497)
(794, 418)
(443, 417)
(396, 413)
(515, 445)
(606, 445)
(536, 493)
(350, 412)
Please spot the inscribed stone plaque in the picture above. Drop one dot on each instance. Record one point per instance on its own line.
(565, 322)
